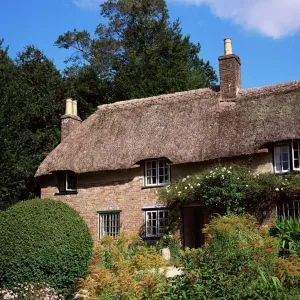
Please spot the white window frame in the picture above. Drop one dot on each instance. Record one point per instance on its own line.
(67, 178)
(158, 174)
(113, 226)
(278, 146)
(158, 220)
(293, 154)
(288, 206)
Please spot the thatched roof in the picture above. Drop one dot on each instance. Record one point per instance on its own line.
(183, 127)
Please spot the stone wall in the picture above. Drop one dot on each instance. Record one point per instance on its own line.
(123, 190)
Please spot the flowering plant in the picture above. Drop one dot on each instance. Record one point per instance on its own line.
(30, 291)
(231, 188)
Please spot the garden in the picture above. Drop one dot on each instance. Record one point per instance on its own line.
(240, 259)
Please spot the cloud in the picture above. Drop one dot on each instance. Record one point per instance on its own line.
(274, 18)
(88, 3)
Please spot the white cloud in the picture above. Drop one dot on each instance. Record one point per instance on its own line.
(274, 18)
(88, 3)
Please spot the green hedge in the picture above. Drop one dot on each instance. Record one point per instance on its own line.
(43, 241)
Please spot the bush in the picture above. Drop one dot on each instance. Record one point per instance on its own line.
(43, 242)
(123, 268)
(238, 262)
(233, 189)
(288, 233)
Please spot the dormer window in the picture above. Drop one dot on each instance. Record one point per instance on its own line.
(157, 172)
(67, 182)
(286, 156)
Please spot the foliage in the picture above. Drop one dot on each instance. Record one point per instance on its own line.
(137, 53)
(288, 233)
(43, 241)
(24, 291)
(231, 189)
(30, 105)
(123, 268)
(171, 241)
(288, 269)
(238, 262)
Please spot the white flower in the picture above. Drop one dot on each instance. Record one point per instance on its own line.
(188, 176)
(282, 189)
(184, 179)
(191, 187)
(185, 188)
(222, 176)
(176, 187)
(198, 184)
(247, 185)
(238, 178)
(229, 172)
(277, 189)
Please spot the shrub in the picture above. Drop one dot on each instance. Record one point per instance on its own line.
(238, 262)
(123, 268)
(288, 233)
(233, 189)
(43, 241)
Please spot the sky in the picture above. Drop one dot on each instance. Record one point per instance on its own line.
(265, 33)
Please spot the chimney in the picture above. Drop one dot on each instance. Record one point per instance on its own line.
(230, 73)
(70, 120)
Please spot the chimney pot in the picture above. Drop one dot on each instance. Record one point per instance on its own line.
(69, 109)
(74, 107)
(227, 46)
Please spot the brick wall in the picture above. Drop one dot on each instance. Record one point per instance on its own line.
(123, 190)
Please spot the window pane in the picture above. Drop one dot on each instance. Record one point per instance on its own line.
(285, 157)
(296, 164)
(285, 166)
(153, 164)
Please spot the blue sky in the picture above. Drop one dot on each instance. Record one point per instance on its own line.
(265, 33)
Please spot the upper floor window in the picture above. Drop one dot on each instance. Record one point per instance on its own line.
(286, 156)
(157, 172)
(67, 182)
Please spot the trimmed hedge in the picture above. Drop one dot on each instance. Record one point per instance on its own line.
(43, 241)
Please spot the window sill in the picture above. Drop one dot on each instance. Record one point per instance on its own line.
(154, 186)
(66, 193)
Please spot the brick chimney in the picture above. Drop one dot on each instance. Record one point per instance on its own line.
(70, 120)
(230, 73)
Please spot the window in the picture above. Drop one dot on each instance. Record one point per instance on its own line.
(157, 172)
(281, 158)
(289, 209)
(67, 182)
(109, 223)
(156, 222)
(287, 157)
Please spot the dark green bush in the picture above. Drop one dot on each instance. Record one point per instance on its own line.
(43, 241)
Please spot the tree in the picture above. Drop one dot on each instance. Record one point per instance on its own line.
(139, 53)
(31, 103)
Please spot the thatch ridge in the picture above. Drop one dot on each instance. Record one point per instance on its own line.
(184, 127)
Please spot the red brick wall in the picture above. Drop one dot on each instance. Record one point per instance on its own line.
(123, 190)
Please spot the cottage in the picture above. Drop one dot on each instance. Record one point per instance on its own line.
(110, 166)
